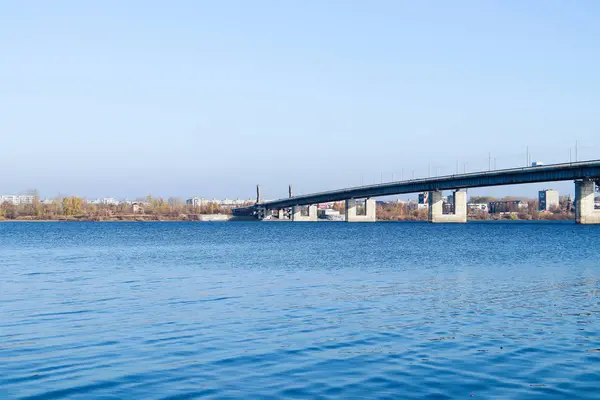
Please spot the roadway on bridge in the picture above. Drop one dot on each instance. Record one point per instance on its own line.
(546, 173)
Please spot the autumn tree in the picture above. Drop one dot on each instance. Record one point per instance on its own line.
(38, 209)
(8, 210)
(72, 205)
(340, 206)
(175, 205)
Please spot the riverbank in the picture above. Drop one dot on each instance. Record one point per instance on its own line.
(125, 218)
(234, 219)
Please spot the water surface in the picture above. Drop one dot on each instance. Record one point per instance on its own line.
(302, 310)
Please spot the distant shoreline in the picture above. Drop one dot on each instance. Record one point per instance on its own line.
(474, 220)
(195, 218)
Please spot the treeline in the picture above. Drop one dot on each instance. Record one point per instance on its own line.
(400, 212)
(76, 208)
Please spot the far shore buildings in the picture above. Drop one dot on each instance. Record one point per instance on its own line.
(107, 201)
(548, 200)
(197, 202)
(17, 199)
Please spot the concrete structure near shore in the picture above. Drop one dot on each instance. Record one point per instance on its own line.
(583, 173)
(585, 212)
(297, 215)
(369, 211)
(436, 214)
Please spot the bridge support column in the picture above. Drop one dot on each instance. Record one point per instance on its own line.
(281, 213)
(298, 217)
(262, 213)
(584, 203)
(370, 211)
(436, 213)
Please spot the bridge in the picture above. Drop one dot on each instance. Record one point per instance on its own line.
(585, 174)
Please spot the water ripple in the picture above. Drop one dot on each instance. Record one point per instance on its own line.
(270, 311)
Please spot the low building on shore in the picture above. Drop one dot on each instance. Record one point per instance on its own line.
(107, 201)
(477, 207)
(198, 202)
(327, 212)
(506, 206)
(412, 205)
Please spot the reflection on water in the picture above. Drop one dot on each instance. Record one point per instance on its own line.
(329, 310)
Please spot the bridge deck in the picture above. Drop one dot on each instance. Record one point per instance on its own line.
(546, 173)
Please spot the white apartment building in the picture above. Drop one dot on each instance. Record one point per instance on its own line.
(16, 199)
(109, 201)
(548, 199)
(195, 202)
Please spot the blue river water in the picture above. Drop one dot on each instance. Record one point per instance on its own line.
(299, 310)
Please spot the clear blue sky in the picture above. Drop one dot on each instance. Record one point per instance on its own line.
(114, 98)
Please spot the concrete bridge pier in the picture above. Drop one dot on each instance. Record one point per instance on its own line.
(262, 213)
(281, 213)
(436, 210)
(298, 217)
(584, 203)
(370, 211)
